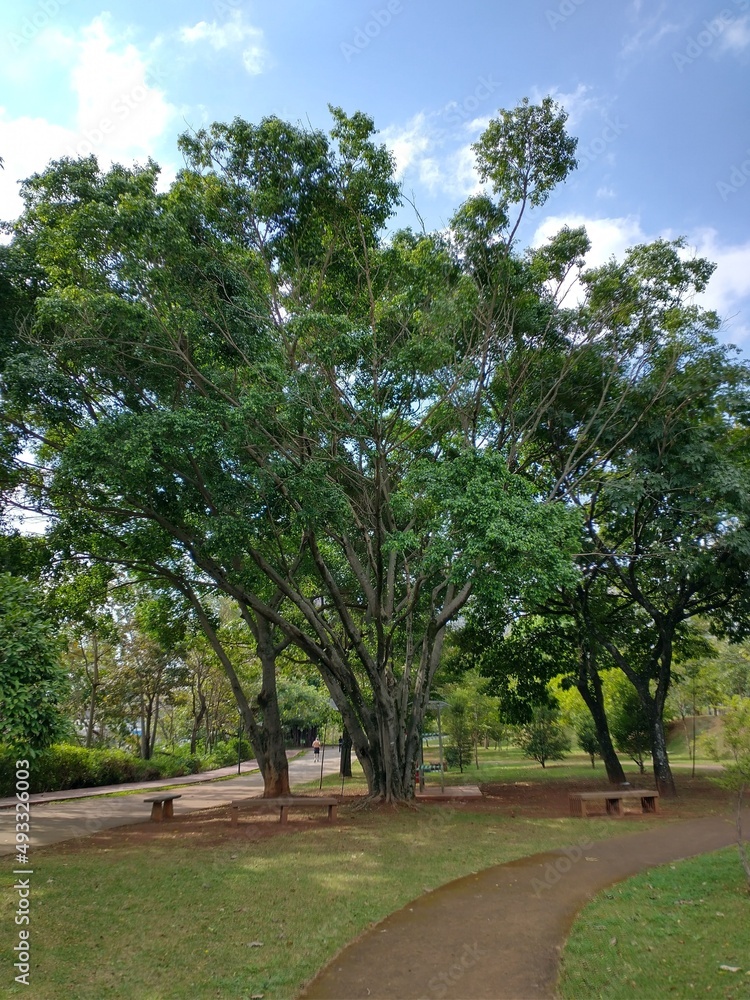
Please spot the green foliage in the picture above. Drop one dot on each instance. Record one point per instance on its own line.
(544, 737)
(227, 752)
(587, 738)
(458, 726)
(63, 766)
(246, 386)
(734, 747)
(31, 681)
(525, 152)
(629, 724)
(303, 704)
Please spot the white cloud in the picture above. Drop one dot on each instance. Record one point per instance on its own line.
(117, 96)
(409, 143)
(609, 237)
(27, 145)
(120, 112)
(577, 103)
(651, 32)
(233, 33)
(426, 153)
(728, 291)
(736, 36)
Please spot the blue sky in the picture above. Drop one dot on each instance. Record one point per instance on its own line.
(658, 95)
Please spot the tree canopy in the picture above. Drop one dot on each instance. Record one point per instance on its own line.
(247, 386)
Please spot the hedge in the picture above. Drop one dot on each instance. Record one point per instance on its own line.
(66, 766)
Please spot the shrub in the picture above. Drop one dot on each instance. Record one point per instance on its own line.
(225, 754)
(588, 741)
(630, 727)
(64, 766)
(544, 738)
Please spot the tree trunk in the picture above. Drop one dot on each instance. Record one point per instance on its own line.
(662, 771)
(267, 739)
(94, 687)
(345, 764)
(653, 706)
(589, 685)
(274, 767)
(197, 719)
(145, 727)
(152, 742)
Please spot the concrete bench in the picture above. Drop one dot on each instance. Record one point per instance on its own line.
(612, 801)
(282, 805)
(163, 806)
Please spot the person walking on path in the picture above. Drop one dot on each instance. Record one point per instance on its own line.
(316, 747)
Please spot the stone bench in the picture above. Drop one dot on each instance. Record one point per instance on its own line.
(163, 806)
(282, 805)
(612, 801)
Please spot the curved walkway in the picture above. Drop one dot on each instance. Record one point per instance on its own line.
(499, 934)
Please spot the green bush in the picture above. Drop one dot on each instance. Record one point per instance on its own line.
(544, 738)
(225, 754)
(65, 766)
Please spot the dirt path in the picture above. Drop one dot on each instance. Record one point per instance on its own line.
(498, 934)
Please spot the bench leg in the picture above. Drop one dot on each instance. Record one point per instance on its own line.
(332, 814)
(156, 812)
(649, 804)
(284, 810)
(614, 807)
(168, 811)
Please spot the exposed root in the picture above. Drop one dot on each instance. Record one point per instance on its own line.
(380, 801)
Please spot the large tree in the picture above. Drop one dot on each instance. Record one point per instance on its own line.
(245, 373)
(244, 386)
(668, 526)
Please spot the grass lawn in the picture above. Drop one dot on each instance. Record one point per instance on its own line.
(182, 917)
(196, 910)
(666, 933)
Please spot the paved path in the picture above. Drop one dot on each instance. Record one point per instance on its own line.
(247, 767)
(77, 816)
(498, 935)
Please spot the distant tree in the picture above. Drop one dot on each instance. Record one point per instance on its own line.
(481, 710)
(587, 739)
(733, 747)
(458, 726)
(544, 738)
(32, 683)
(630, 726)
